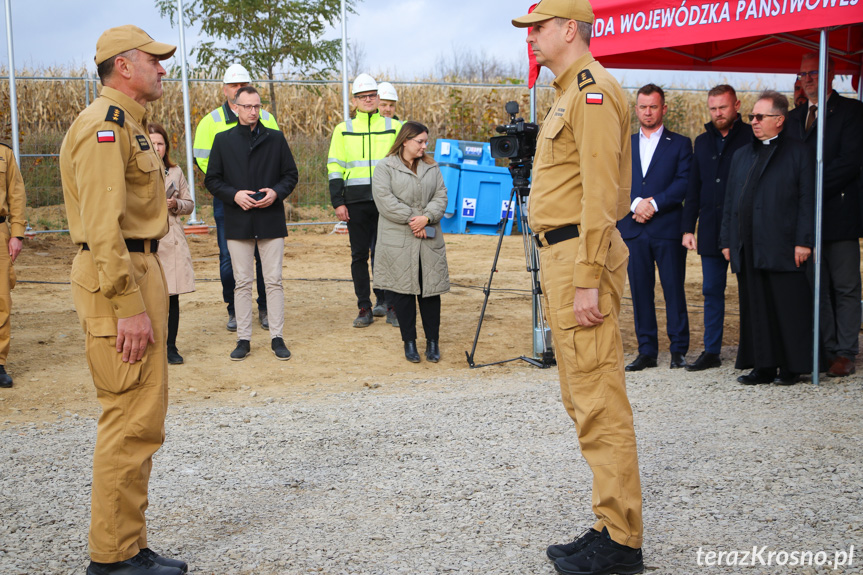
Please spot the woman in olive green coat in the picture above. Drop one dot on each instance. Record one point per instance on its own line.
(410, 255)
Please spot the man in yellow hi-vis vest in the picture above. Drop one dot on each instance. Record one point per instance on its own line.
(356, 147)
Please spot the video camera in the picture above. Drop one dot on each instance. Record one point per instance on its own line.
(520, 139)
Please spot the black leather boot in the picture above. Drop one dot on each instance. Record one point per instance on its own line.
(411, 353)
(432, 351)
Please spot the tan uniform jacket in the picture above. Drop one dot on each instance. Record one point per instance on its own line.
(582, 171)
(114, 186)
(13, 200)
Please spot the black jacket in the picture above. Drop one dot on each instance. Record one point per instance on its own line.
(843, 160)
(243, 160)
(783, 208)
(708, 176)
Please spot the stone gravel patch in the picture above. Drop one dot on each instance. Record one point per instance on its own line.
(457, 475)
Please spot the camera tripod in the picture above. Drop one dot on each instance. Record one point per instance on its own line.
(542, 348)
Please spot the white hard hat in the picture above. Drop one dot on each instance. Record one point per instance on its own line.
(364, 83)
(386, 91)
(236, 74)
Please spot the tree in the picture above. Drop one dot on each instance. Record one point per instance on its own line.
(264, 35)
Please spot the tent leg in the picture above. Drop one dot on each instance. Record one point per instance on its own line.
(819, 195)
(13, 97)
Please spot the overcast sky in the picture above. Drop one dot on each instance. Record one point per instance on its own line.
(402, 39)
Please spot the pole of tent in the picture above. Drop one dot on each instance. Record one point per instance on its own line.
(819, 194)
(187, 120)
(345, 109)
(13, 96)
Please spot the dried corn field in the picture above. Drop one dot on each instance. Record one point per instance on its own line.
(49, 100)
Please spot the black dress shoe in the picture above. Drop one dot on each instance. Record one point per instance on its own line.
(757, 376)
(174, 357)
(555, 552)
(5, 378)
(602, 556)
(787, 378)
(140, 564)
(166, 561)
(411, 353)
(705, 361)
(432, 351)
(677, 360)
(641, 362)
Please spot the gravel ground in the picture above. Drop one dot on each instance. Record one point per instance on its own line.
(469, 475)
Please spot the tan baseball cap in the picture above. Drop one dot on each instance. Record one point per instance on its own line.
(570, 9)
(123, 38)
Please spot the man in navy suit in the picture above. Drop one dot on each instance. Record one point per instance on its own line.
(660, 170)
(724, 134)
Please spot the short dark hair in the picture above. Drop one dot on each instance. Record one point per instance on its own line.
(245, 90)
(778, 101)
(585, 29)
(722, 89)
(106, 68)
(649, 89)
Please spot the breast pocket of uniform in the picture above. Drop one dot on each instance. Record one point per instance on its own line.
(553, 146)
(144, 175)
(2, 176)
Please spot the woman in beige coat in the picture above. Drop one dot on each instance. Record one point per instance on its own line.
(173, 249)
(410, 255)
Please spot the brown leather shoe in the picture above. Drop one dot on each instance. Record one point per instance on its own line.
(841, 367)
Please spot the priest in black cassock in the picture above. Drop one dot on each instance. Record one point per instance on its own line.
(768, 230)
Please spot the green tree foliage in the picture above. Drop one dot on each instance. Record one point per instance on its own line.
(263, 35)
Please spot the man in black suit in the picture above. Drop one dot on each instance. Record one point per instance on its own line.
(660, 170)
(841, 220)
(724, 134)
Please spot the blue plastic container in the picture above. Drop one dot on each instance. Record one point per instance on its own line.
(478, 191)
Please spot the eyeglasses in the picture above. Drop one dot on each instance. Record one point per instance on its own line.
(811, 74)
(250, 107)
(760, 117)
(368, 97)
(421, 142)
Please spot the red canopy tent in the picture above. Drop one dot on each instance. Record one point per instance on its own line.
(767, 36)
(732, 36)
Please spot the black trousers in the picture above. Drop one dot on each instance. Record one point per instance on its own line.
(406, 312)
(775, 319)
(363, 232)
(173, 319)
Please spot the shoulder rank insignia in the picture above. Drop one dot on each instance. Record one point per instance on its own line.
(116, 115)
(592, 98)
(585, 79)
(142, 142)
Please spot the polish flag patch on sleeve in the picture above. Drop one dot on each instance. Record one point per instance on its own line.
(592, 98)
(105, 136)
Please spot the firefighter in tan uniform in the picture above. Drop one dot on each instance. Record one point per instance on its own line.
(580, 188)
(114, 189)
(13, 202)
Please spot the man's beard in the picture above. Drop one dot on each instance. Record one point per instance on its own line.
(723, 124)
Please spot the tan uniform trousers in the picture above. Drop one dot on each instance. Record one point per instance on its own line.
(7, 282)
(593, 386)
(134, 401)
